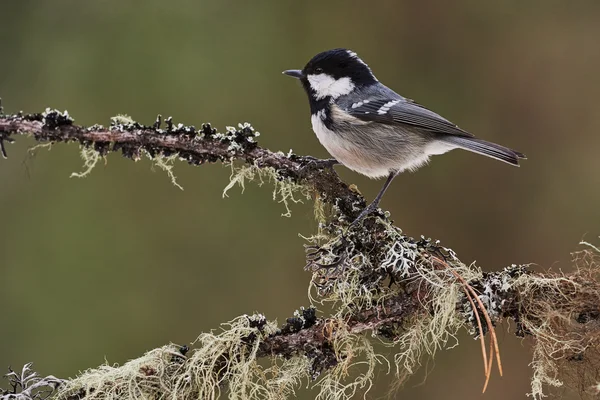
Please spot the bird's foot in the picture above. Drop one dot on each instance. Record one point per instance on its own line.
(313, 163)
(367, 210)
(4, 137)
(321, 163)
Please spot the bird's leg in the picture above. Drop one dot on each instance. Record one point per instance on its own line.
(375, 203)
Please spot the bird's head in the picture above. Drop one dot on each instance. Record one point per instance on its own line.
(332, 74)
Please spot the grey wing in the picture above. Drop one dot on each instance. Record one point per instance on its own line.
(403, 111)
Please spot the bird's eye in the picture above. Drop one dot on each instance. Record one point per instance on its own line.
(319, 70)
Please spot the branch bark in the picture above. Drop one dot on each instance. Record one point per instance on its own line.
(196, 146)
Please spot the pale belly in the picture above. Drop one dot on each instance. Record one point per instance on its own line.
(377, 157)
(348, 153)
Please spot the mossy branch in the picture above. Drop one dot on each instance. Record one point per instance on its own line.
(408, 294)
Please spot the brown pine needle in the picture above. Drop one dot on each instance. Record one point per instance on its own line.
(482, 339)
(487, 378)
(494, 348)
(491, 328)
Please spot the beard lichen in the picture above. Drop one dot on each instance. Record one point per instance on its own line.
(90, 158)
(357, 359)
(562, 313)
(227, 359)
(285, 190)
(231, 357)
(139, 378)
(166, 164)
(368, 271)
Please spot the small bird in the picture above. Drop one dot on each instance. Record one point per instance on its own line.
(373, 130)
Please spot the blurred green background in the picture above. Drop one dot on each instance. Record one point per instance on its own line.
(107, 267)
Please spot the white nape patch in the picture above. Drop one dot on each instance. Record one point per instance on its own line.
(326, 85)
(386, 107)
(357, 58)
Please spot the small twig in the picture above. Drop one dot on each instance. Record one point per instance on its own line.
(489, 366)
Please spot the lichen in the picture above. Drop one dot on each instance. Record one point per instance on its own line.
(166, 164)
(90, 158)
(357, 360)
(54, 118)
(368, 271)
(229, 357)
(285, 190)
(139, 378)
(121, 120)
(29, 385)
(560, 310)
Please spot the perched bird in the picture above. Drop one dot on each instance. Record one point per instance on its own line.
(373, 130)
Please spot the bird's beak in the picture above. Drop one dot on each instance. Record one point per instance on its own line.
(294, 73)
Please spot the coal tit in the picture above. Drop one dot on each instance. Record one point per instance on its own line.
(373, 130)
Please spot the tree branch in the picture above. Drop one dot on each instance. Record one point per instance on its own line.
(404, 291)
(195, 146)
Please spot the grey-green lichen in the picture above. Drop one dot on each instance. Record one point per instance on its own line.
(27, 384)
(355, 270)
(225, 358)
(54, 118)
(561, 311)
(392, 266)
(166, 164)
(90, 159)
(285, 190)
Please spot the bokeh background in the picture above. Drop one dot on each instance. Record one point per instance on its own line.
(107, 267)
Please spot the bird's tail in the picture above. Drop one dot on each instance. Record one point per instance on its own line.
(482, 147)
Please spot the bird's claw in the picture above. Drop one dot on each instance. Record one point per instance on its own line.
(364, 213)
(3, 138)
(313, 163)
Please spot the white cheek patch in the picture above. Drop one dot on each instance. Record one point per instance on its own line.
(326, 85)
